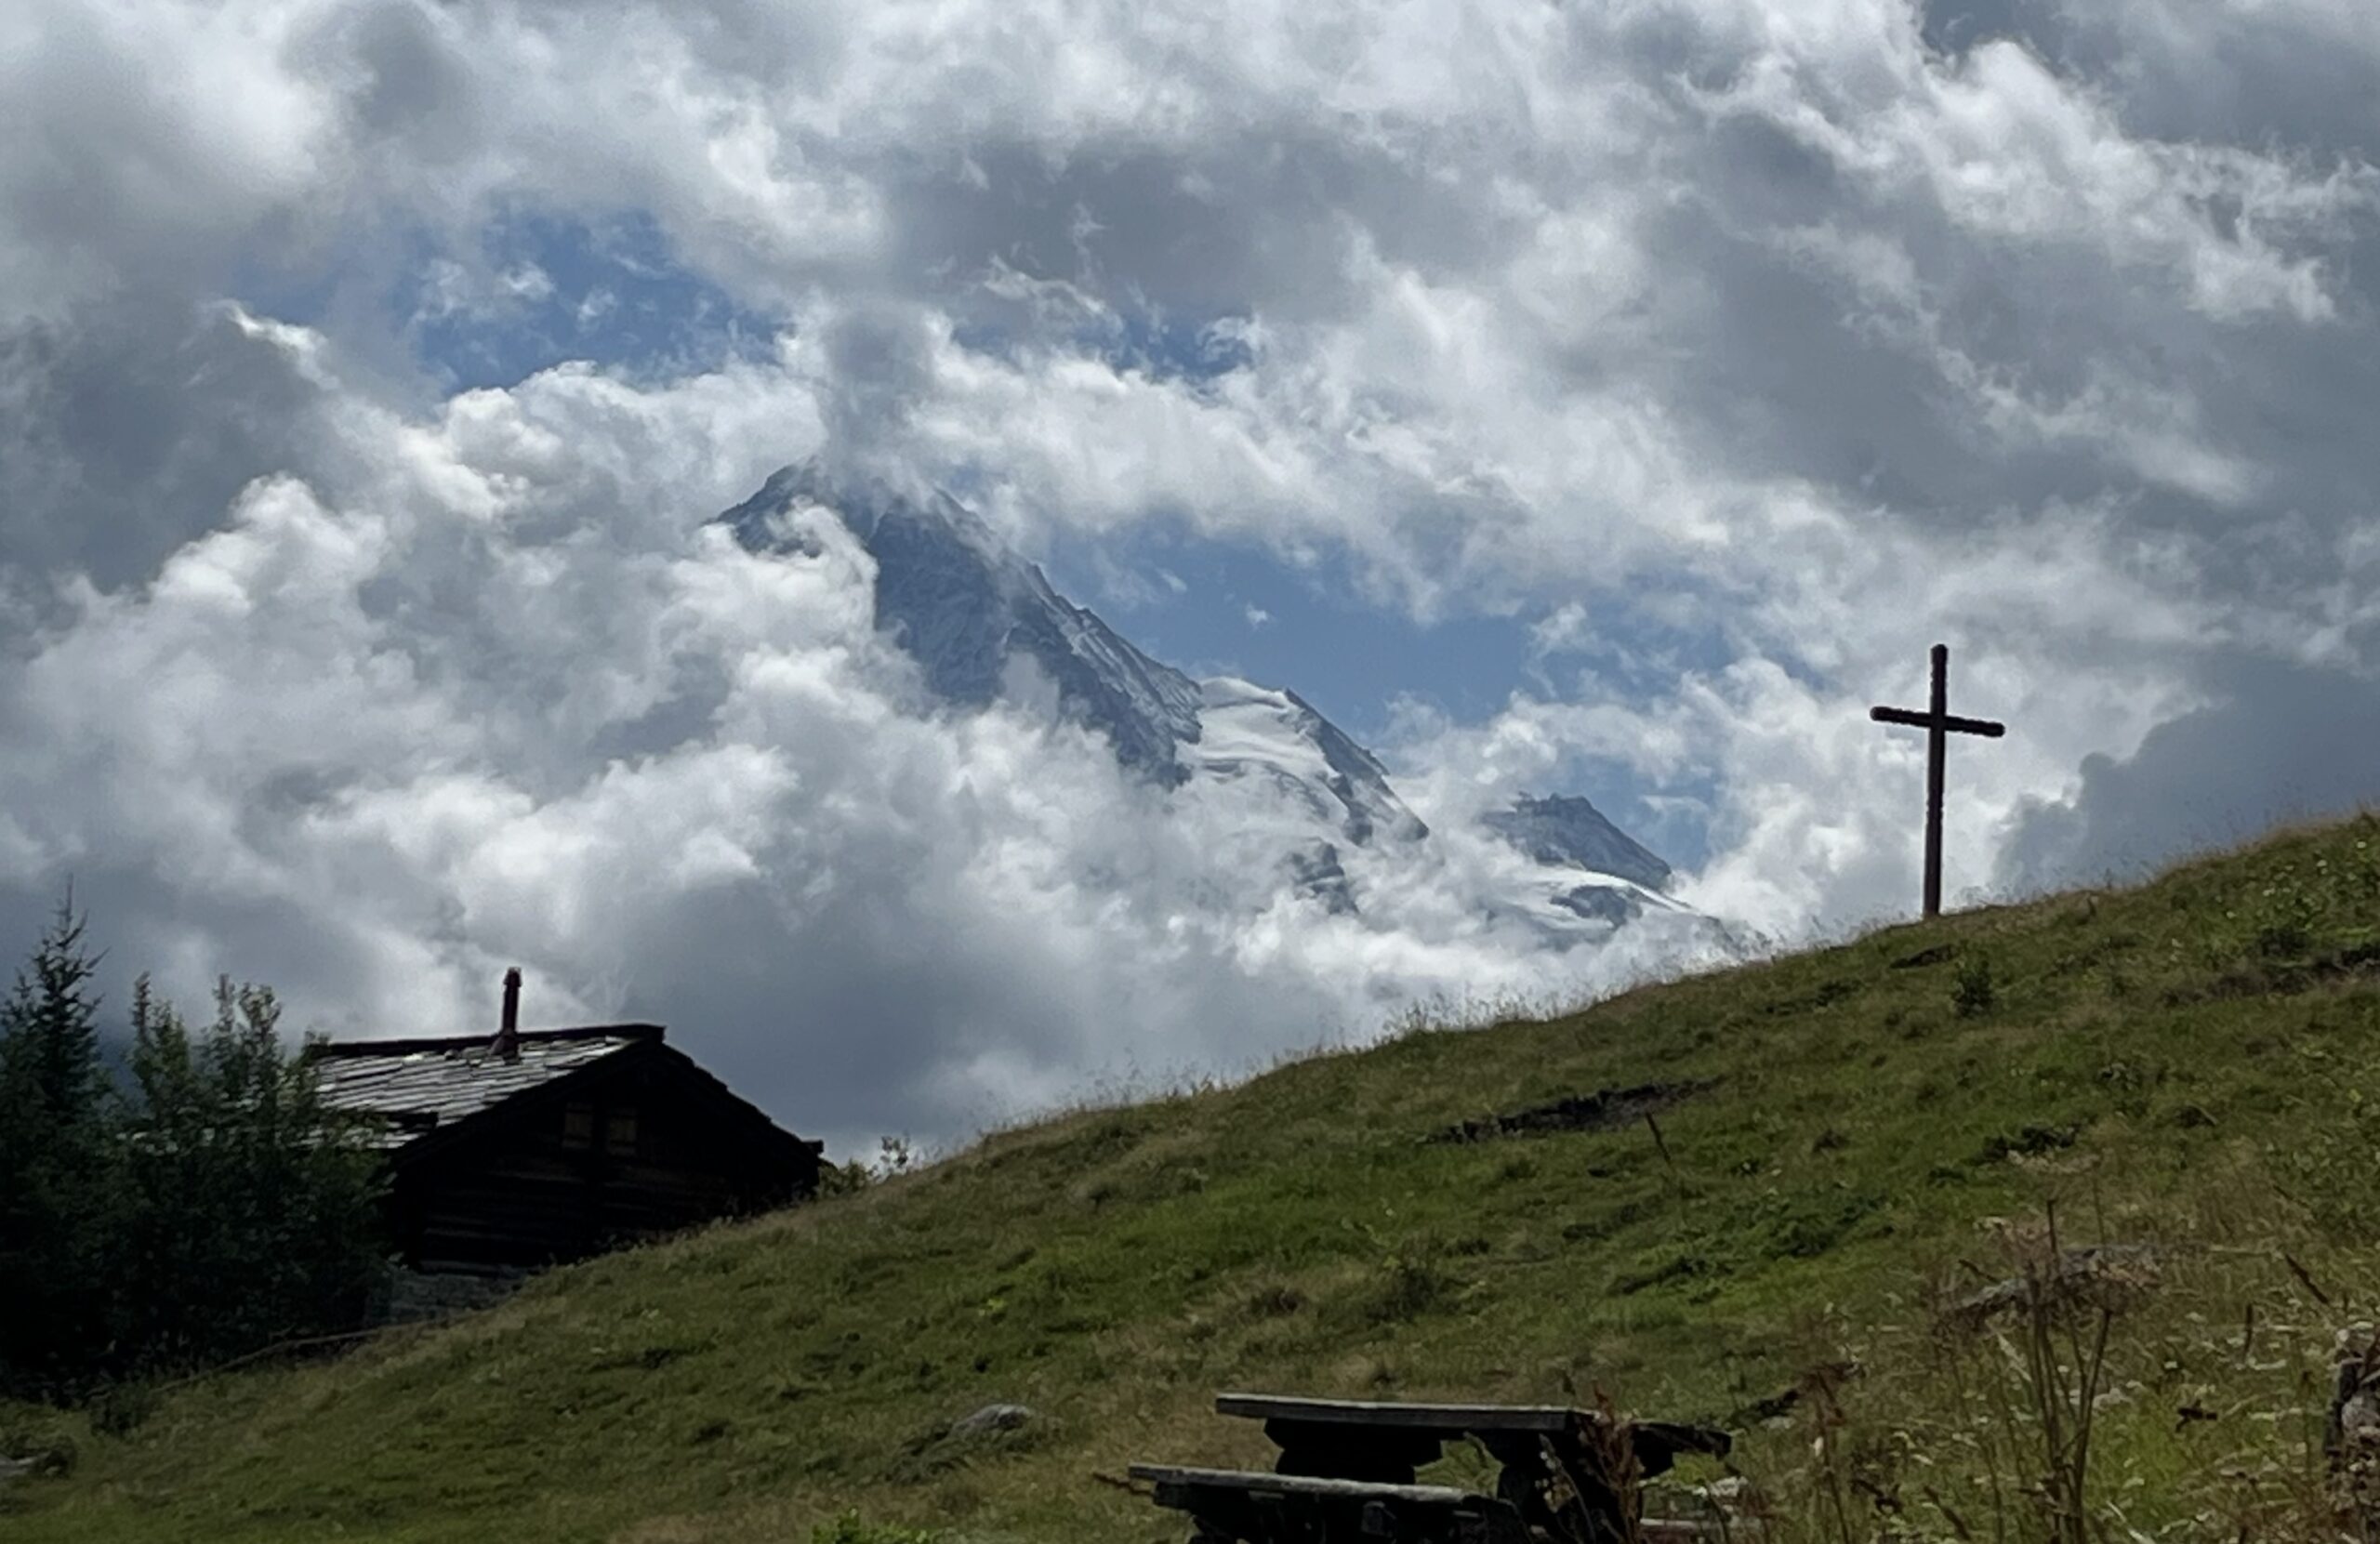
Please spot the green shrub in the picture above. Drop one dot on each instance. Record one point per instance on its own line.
(1412, 1283)
(894, 1155)
(251, 1210)
(849, 1178)
(1972, 992)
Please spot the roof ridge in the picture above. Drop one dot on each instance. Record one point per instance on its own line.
(414, 1045)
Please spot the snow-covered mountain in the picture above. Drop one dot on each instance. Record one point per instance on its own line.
(1305, 796)
(965, 607)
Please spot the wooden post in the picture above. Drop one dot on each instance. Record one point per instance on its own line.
(1937, 723)
(1937, 744)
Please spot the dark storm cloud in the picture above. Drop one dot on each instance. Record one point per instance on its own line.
(2279, 743)
(130, 427)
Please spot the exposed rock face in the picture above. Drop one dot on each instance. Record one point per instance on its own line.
(1316, 869)
(1601, 902)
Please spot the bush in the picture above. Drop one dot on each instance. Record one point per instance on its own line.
(1412, 1283)
(1972, 992)
(894, 1155)
(251, 1209)
(849, 1178)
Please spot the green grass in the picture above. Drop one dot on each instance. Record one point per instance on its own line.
(2194, 1063)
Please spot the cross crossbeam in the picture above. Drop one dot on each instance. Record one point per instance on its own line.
(1938, 724)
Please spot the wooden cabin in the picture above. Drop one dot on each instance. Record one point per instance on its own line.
(533, 1147)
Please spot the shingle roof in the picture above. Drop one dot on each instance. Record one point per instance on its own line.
(413, 1087)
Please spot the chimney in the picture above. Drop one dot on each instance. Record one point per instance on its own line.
(508, 1036)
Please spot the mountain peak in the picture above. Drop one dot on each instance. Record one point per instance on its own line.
(965, 606)
(863, 500)
(969, 610)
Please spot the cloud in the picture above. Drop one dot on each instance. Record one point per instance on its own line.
(451, 291)
(1737, 350)
(127, 430)
(2279, 741)
(496, 693)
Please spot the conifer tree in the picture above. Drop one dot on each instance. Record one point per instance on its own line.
(216, 1207)
(58, 1195)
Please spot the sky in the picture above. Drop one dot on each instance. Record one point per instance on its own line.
(1611, 398)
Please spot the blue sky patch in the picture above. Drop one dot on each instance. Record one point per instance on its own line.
(1215, 608)
(540, 291)
(535, 291)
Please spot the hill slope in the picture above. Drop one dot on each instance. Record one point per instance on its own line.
(2193, 1064)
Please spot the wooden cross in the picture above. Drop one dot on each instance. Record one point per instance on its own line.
(1936, 722)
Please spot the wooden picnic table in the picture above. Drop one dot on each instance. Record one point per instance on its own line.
(1346, 1470)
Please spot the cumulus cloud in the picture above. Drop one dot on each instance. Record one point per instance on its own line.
(1737, 349)
(501, 694)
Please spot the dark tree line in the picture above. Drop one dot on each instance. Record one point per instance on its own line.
(204, 1206)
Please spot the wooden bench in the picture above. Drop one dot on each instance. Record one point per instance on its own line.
(1346, 1470)
(1228, 1506)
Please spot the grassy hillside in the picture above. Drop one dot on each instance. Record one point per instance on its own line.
(2193, 1064)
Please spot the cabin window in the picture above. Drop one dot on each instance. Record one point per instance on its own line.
(619, 1130)
(578, 1126)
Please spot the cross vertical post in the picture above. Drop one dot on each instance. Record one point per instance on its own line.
(1937, 748)
(1937, 723)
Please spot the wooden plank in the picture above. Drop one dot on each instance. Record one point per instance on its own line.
(1453, 1419)
(1256, 1482)
(1659, 1443)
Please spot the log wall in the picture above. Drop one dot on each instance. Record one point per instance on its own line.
(564, 1177)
